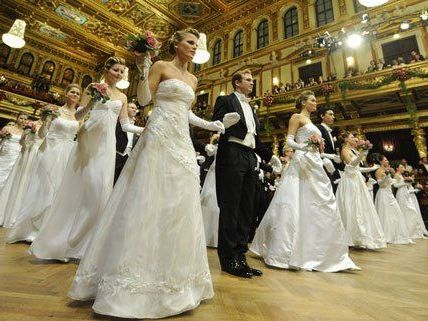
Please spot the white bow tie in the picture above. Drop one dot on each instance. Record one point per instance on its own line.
(243, 98)
(328, 129)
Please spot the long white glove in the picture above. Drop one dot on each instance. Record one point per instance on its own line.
(276, 164)
(414, 190)
(210, 149)
(401, 184)
(230, 119)
(143, 91)
(130, 128)
(200, 159)
(293, 144)
(384, 180)
(371, 181)
(328, 164)
(369, 169)
(215, 126)
(335, 158)
(360, 157)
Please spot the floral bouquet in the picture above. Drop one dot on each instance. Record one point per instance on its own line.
(268, 101)
(49, 110)
(364, 145)
(316, 143)
(30, 127)
(142, 43)
(401, 74)
(99, 92)
(5, 134)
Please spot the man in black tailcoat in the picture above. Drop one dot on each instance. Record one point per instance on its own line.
(235, 174)
(124, 142)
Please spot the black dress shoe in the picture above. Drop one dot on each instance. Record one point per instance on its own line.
(235, 267)
(253, 271)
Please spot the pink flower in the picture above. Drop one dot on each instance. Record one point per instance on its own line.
(151, 41)
(102, 89)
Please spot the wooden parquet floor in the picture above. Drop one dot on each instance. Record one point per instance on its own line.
(393, 286)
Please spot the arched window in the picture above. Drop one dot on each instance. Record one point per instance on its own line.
(263, 34)
(238, 44)
(291, 23)
(48, 70)
(4, 54)
(25, 64)
(86, 81)
(67, 77)
(324, 12)
(358, 7)
(217, 52)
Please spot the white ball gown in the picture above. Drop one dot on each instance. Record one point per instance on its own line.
(9, 153)
(390, 215)
(407, 206)
(355, 204)
(210, 209)
(51, 161)
(302, 227)
(148, 257)
(418, 209)
(88, 182)
(18, 180)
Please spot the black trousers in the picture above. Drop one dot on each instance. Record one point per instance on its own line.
(235, 186)
(120, 162)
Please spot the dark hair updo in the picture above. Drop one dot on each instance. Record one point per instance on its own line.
(179, 36)
(302, 98)
(110, 62)
(341, 138)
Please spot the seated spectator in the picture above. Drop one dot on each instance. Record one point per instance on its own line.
(320, 80)
(372, 67)
(416, 57)
(312, 82)
(380, 64)
(401, 61)
(288, 87)
(406, 166)
(394, 63)
(301, 82)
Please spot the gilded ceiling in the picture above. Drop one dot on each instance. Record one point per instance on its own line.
(98, 28)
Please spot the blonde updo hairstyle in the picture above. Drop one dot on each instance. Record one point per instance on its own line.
(179, 36)
(71, 86)
(110, 62)
(302, 98)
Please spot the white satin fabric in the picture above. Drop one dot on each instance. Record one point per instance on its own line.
(407, 206)
(359, 216)
(210, 209)
(9, 153)
(49, 166)
(19, 179)
(86, 187)
(148, 256)
(418, 210)
(390, 215)
(302, 227)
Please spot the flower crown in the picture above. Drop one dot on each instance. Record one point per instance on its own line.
(142, 43)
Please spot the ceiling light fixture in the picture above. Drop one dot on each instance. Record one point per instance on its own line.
(15, 37)
(202, 55)
(372, 3)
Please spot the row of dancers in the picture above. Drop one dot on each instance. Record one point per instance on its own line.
(141, 245)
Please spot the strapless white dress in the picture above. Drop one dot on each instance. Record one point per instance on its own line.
(148, 257)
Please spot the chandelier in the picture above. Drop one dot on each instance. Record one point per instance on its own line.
(15, 37)
(372, 3)
(202, 55)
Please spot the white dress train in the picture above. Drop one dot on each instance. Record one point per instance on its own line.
(17, 183)
(210, 209)
(407, 206)
(390, 215)
(359, 216)
(49, 166)
(148, 257)
(302, 227)
(88, 181)
(9, 153)
(418, 209)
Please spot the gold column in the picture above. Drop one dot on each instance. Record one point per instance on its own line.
(305, 7)
(275, 145)
(420, 141)
(274, 23)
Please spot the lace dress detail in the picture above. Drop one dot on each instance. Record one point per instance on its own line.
(302, 228)
(148, 257)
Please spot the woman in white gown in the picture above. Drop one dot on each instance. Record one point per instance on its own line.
(413, 191)
(51, 160)
(11, 147)
(148, 257)
(302, 228)
(210, 209)
(18, 180)
(88, 180)
(403, 196)
(390, 215)
(359, 216)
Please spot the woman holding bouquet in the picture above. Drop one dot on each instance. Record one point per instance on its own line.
(58, 129)
(10, 146)
(17, 183)
(148, 257)
(359, 216)
(302, 228)
(390, 215)
(88, 179)
(404, 199)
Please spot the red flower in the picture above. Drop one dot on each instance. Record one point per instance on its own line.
(401, 74)
(102, 89)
